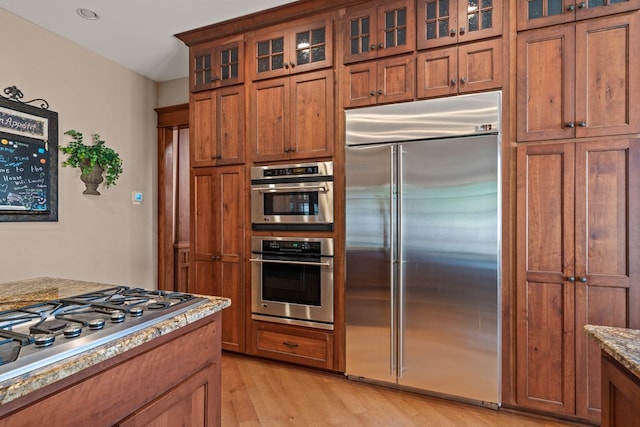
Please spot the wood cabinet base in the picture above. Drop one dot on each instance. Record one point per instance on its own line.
(620, 395)
(174, 377)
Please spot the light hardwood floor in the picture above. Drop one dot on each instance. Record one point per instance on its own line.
(256, 393)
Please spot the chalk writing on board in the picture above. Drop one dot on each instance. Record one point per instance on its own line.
(24, 171)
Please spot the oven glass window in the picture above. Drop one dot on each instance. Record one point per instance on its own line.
(291, 283)
(291, 203)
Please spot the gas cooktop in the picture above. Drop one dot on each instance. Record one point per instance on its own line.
(34, 336)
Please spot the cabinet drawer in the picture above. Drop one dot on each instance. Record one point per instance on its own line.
(311, 348)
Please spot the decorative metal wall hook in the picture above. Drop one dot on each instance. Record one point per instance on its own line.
(15, 94)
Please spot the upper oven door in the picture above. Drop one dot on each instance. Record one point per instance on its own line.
(292, 205)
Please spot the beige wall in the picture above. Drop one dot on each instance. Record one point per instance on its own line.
(98, 238)
(173, 92)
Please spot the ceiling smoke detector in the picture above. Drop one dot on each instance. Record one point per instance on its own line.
(87, 14)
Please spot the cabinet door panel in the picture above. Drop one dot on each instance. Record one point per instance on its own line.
(202, 121)
(230, 130)
(437, 22)
(437, 72)
(396, 79)
(606, 253)
(607, 76)
(546, 90)
(202, 214)
(479, 19)
(544, 296)
(270, 121)
(480, 66)
(312, 115)
(540, 13)
(360, 85)
(396, 27)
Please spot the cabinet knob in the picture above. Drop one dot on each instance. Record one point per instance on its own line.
(292, 150)
(215, 78)
(583, 279)
(372, 47)
(380, 46)
(380, 91)
(452, 32)
(582, 124)
(462, 80)
(571, 7)
(571, 279)
(453, 82)
(293, 65)
(286, 66)
(290, 344)
(462, 31)
(571, 125)
(218, 156)
(372, 93)
(582, 5)
(286, 150)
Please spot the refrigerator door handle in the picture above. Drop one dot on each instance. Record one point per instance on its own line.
(393, 367)
(399, 264)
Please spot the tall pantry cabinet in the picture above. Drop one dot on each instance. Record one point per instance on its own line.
(218, 200)
(577, 177)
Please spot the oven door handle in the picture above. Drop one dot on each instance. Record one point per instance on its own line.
(275, 261)
(292, 187)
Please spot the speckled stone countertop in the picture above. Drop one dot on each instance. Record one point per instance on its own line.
(31, 291)
(620, 343)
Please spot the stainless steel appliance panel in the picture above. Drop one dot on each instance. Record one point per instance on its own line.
(369, 274)
(449, 259)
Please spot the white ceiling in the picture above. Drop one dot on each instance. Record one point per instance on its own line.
(137, 34)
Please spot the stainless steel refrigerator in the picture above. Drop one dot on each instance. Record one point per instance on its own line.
(422, 246)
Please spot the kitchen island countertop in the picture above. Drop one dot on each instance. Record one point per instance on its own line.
(31, 291)
(620, 343)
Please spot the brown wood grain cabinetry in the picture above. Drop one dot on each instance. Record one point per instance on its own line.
(156, 383)
(305, 346)
(460, 69)
(292, 117)
(379, 28)
(621, 395)
(576, 265)
(536, 13)
(382, 81)
(579, 80)
(217, 131)
(217, 244)
(216, 64)
(302, 46)
(446, 22)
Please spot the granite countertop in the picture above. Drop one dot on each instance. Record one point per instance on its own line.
(620, 343)
(31, 291)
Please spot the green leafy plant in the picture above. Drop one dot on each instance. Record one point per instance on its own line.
(86, 157)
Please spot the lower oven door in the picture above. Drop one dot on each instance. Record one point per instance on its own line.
(294, 290)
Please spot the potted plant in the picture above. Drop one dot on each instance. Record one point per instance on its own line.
(93, 160)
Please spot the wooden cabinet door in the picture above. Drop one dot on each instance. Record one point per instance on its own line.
(545, 350)
(607, 71)
(218, 244)
(379, 29)
(360, 84)
(396, 79)
(437, 72)
(311, 115)
(216, 64)
(545, 82)
(201, 126)
(229, 129)
(480, 66)
(229, 236)
(269, 116)
(445, 22)
(606, 254)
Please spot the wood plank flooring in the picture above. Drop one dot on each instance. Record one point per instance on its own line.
(259, 393)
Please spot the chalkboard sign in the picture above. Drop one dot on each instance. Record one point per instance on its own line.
(28, 162)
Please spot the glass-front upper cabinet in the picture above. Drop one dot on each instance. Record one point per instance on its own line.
(445, 22)
(286, 49)
(540, 13)
(216, 64)
(379, 29)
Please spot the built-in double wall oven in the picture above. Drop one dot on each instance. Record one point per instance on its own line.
(292, 277)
